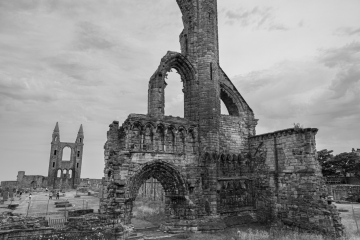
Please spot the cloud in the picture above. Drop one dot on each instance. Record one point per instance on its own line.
(323, 92)
(341, 57)
(347, 31)
(346, 60)
(258, 18)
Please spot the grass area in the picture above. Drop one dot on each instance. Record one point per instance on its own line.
(154, 212)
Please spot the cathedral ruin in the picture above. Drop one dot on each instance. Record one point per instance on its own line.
(65, 173)
(213, 166)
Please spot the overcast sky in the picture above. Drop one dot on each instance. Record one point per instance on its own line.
(89, 62)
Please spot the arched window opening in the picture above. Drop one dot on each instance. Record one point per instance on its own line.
(55, 151)
(77, 165)
(66, 154)
(80, 140)
(78, 153)
(58, 173)
(228, 106)
(174, 96)
(70, 173)
(64, 173)
(223, 108)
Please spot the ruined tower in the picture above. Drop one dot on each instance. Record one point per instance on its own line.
(212, 165)
(65, 173)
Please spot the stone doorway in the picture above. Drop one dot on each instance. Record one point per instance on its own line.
(149, 205)
(171, 181)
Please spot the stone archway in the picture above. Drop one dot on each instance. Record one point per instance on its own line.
(170, 179)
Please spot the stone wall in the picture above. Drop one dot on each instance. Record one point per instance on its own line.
(212, 166)
(32, 181)
(24, 234)
(144, 148)
(232, 135)
(8, 185)
(296, 181)
(90, 182)
(344, 191)
(26, 181)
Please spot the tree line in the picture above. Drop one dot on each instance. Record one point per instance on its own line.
(341, 165)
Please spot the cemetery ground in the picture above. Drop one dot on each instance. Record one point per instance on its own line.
(148, 216)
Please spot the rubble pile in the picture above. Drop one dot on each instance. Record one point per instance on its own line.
(97, 224)
(10, 221)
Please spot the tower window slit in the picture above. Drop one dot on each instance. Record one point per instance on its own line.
(78, 153)
(77, 165)
(55, 152)
(53, 164)
(211, 75)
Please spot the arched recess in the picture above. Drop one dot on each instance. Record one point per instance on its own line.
(157, 84)
(231, 100)
(171, 181)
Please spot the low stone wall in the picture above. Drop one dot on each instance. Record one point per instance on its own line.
(24, 234)
(345, 191)
(77, 213)
(9, 221)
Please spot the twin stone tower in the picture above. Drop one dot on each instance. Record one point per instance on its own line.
(65, 173)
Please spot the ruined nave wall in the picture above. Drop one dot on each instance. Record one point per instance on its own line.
(296, 180)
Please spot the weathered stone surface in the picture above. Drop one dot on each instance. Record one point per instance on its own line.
(65, 173)
(212, 166)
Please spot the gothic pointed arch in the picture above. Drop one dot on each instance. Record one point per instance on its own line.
(157, 84)
(166, 173)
